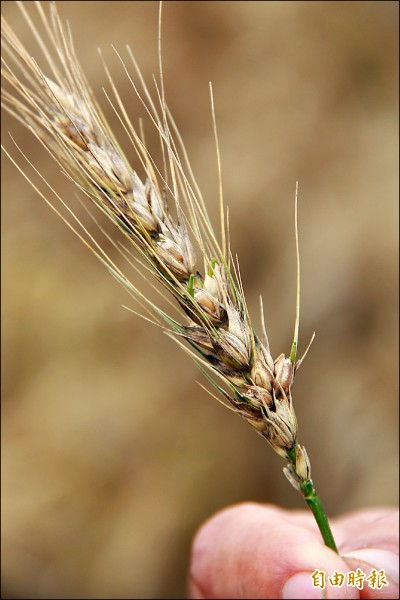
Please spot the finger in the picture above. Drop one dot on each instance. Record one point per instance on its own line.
(372, 545)
(257, 551)
(376, 527)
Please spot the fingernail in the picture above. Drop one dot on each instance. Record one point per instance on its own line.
(300, 586)
(378, 559)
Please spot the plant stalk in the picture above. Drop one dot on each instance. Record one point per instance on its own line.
(315, 504)
(305, 485)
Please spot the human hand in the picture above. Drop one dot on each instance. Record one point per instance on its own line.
(262, 551)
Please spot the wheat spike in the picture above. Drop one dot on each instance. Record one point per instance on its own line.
(163, 217)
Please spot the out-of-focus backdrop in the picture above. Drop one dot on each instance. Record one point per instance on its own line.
(112, 455)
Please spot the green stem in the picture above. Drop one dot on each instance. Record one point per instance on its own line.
(313, 501)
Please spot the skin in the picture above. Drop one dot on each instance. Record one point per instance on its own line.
(253, 551)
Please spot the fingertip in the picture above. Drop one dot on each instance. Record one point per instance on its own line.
(211, 561)
(226, 551)
(300, 586)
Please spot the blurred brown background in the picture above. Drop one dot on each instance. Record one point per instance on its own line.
(112, 455)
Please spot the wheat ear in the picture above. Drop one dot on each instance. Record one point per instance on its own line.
(163, 217)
